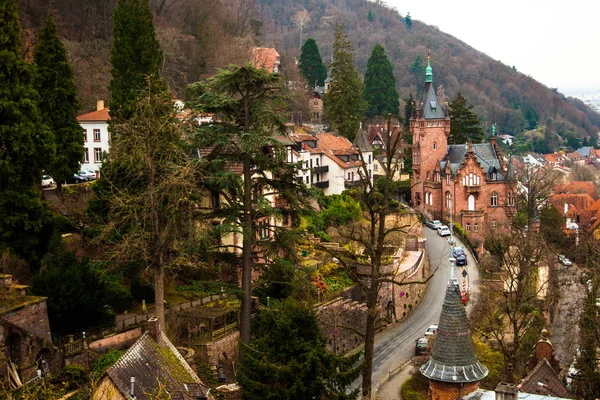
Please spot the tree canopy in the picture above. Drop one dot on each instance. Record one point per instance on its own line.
(59, 105)
(380, 85)
(135, 56)
(311, 64)
(287, 360)
(464, 124)
(344, 104)
(26, 144)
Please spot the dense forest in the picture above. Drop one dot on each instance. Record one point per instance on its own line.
(200, 36)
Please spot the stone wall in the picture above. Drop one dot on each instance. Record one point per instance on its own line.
(224, 349)
(339, 321)
(33, 317)
(119, 341)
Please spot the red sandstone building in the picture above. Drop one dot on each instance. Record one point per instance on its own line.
(469, 181)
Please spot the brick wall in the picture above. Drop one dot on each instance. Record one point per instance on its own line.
(450, 391)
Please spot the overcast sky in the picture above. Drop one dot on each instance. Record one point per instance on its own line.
(554, 41)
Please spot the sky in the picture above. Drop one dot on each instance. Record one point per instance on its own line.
(553, 41)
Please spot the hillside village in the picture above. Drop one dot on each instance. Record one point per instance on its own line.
(258, 235)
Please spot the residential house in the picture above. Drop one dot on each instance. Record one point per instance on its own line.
(535, 160)
(576, 158)
(330, 161)
(266, 58)
(468, 183)
(589, 152)
(555, 159)
(570, 205)
(151, 368)
(315, 105)
(577, 187)
(96, 136)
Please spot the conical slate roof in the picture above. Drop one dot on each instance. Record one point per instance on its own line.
(361, 142)
(453, 355)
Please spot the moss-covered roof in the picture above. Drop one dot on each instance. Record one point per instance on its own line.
(11, 300)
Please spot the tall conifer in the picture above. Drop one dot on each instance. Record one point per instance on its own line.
(380, 85)
(344, 105)
(25, 146)
(135, 55)
(465, 126)
(54, 83)
(311, 64)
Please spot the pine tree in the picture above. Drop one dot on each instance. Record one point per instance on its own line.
(344, 105)
(408, 20)
(25, 145)
(135, 55)
(311, 64)
(54, 83)
(464, 125)
(288, 359)
(380, 85)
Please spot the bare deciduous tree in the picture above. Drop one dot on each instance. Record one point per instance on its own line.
(301, 19)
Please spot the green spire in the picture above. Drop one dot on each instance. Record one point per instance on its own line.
(428, 71)
(494, 129)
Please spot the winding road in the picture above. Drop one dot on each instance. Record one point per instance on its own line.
(396, 345)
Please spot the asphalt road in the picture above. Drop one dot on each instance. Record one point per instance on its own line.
(396, 345)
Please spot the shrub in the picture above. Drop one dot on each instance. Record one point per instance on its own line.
(72, 376)
(105, 361)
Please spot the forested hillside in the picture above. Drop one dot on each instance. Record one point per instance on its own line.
(199, 36)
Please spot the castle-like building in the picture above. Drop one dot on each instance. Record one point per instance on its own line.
(471, 183)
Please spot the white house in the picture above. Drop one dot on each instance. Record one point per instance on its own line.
(96, 137)
(330, 162)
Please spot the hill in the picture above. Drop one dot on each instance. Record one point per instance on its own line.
(200, 36)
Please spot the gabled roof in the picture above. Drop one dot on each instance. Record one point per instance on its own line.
(550, 382)
(264, 57)
(485, 154)
(585, 151)
(580, 201)
(332, 146)
(453, 356)
(575, 156)
(95, 116)
(152, 361)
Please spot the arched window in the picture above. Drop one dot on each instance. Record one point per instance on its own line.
(471, 203)
(448, 200)
(494, 199)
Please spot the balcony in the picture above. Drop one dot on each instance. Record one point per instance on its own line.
(351, 184)
(322, 184)
(472, 213)
(320, 170)
(473, 188)
(432, 185)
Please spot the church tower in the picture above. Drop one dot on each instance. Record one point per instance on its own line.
(430, 128)
(453, 369)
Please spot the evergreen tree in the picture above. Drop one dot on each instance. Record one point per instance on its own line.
(25, 146)
(408, 20)
(288, 359)
(311, 65)
(135, 55)
(246, 100)
(344, 105)
(380, 85)
(464, 126)
(54, 83)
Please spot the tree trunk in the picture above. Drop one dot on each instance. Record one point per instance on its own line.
(159, 294)
(246, 254)
(369, 343)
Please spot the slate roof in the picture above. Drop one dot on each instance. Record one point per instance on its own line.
(430, 107)
(453, 355)
(550, 382)
(484, 152)
(152, 361)
(361, 142)
(585, 151)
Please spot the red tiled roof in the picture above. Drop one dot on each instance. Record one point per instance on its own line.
(264, 57)
(577, 187)
(99, 115)
(579, 201)
(575, 156)
(545, 374)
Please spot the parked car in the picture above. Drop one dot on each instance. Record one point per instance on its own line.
(88, 175)
(564, 260)
(76, 179)
(433, 224)
(421, 346)
(460, 256)
(443, 230)
(432, 330)
(47, 181)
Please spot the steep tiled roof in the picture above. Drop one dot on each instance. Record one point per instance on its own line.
(575, 156)
(484, 153)
(100, 115)
(152, 362)
(360, 142)
(550, 383)
(579, 201)
(430, 107)
(453, 355)
(577, 187)
(264, 57)
(332, 145)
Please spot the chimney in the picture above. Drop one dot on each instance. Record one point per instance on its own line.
(153, 326)
(100, 105)
(506, 391)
